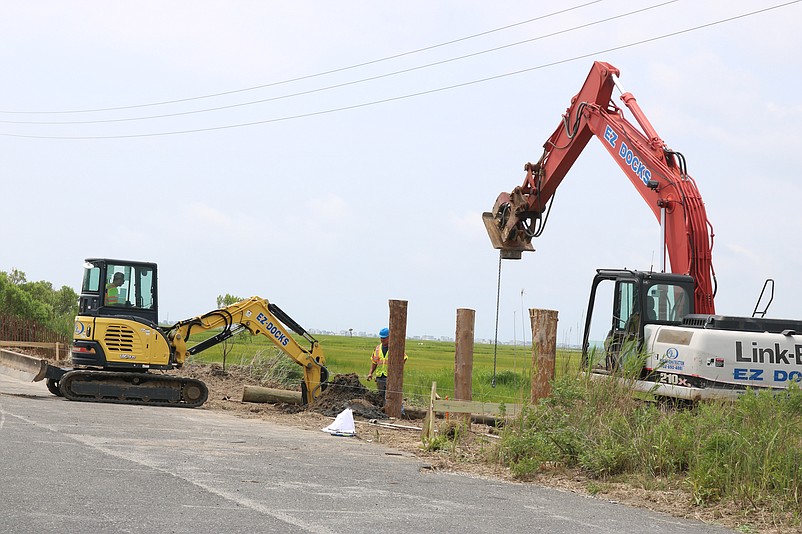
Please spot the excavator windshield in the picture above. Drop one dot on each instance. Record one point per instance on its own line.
(667, 302)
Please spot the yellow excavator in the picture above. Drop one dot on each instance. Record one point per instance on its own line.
(118, 343)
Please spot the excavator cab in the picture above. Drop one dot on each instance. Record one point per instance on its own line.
(117, 322)
(635, 299)
(119, 288)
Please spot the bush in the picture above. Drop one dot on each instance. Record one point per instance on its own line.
(753, 454)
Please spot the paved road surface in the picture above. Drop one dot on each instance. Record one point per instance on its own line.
(80, 467)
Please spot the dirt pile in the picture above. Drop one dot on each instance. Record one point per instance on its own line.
(343, 391)
(346, 391)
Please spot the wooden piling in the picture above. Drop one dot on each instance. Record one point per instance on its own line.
(262, 394)
(544, 351)
(395, 358)
(463, 356)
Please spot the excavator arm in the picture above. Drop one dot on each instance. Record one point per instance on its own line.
(658, 173)
(259, 317)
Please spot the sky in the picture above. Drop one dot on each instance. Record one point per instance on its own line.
(332, 156)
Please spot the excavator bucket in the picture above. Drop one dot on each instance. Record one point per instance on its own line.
(507, 252)
(22, 366)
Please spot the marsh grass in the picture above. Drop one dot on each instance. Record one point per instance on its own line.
(747, 452)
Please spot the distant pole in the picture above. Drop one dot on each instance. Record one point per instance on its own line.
(544, 351)
(523, 318)
(395, 359)
(463, 355)
(514, 340)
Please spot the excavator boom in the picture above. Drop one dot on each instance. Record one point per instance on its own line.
(658, 173)
(259, 317)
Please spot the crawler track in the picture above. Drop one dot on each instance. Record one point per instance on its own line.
(132, 388)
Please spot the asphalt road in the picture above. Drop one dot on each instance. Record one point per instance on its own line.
(79, 467)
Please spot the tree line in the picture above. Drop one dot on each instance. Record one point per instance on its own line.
(38, 302)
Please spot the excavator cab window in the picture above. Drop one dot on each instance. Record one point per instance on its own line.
(117, 285)
(667, 303)
(91, 279)
(625, 307)
(91, 293)
(130, 286)
(145, 297)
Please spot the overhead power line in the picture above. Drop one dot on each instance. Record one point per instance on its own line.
(421, 93)
(353, 82)
(309, 76)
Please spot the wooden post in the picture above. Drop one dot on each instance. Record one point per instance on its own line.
(395, 358)
(544, 351)
(463, 357)
(427, 434)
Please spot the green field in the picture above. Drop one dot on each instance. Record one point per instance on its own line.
(429, 361)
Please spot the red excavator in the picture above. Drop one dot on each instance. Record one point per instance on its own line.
(691, 352)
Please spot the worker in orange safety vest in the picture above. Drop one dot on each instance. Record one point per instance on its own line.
(378, 362)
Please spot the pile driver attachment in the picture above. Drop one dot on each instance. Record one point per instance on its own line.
(506, 233)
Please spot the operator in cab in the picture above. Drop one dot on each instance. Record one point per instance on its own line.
(113, 297)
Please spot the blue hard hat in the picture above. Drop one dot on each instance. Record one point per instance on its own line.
(384, 332)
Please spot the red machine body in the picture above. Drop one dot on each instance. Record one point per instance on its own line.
(657, 172)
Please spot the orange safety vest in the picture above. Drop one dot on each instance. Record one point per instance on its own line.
(380, 359)
(112, 295)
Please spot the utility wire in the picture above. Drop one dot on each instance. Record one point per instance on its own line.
(309, 76)
(354, 82)
(412, 95)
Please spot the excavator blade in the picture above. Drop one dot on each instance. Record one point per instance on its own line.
(22, 366)
(508, 252)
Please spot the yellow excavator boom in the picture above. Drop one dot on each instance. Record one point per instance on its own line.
(259, 317)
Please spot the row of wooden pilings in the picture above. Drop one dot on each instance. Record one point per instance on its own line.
(544, 353)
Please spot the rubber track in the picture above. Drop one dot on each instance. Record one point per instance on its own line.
(133, 388)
